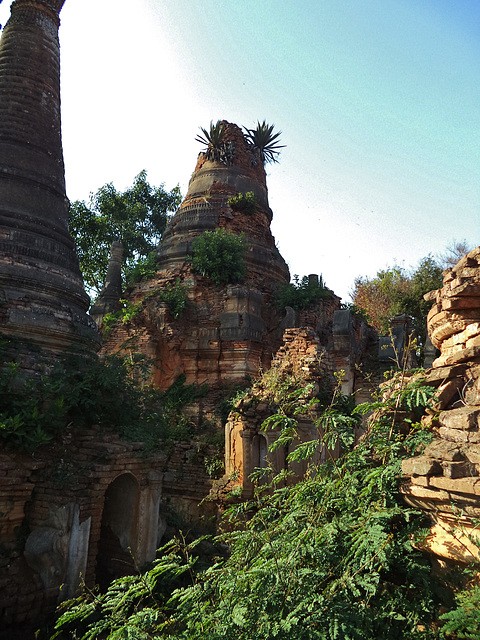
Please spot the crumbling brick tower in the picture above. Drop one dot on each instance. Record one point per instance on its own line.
(42, 301)
(227, 332)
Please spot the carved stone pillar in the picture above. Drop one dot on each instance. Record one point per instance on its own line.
(42, 301)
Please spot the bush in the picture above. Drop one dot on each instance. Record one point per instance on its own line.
(175, 296)
(144, 269)
(299, 294)
(110, 393)
(243, 202)
(220, 255)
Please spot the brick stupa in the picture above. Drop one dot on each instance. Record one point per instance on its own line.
(227, 333)
(42, 301)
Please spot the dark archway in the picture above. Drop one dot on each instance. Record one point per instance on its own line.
(259, 452)
(118, 531)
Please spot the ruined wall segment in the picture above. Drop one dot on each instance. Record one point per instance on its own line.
(444, 481)
(41, 290)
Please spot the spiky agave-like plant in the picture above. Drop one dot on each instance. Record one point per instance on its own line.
(264, 142)
(213, 140)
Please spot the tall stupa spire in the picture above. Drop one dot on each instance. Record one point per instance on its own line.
(42, 300)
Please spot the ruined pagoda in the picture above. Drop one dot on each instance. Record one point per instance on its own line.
(227, 332)
(42, 301)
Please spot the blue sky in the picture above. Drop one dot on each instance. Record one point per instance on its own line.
(378, 102)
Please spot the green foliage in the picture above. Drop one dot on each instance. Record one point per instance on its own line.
(243, 202)
(265, 144)
(136, 216)
(214, 466)
(81, 393)
(175, 296)
(463, 622)
(143, 269)
(134, 607)
(220, 255)
(301, 293)
(332, 557)
(126, 313)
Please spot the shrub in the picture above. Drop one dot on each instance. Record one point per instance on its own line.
(299, 294)
(332, 557)
(243, 202)
(144, 269)
(220, 255)
(175, 296)
(110, 393)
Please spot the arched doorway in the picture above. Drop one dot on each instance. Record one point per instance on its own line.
(118, 531)
(259, 452)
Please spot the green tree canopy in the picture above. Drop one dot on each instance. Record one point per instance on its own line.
(394, 291)
(136, 216)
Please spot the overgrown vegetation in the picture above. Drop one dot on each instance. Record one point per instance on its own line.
(137, 217)
(336, 556)
(143, 269)
(175, 297)
(220, 255)
(217, 148)
(77, 393)
(264, 142)
(301, 293)
(243, 202)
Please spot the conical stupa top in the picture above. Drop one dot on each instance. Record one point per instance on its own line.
(216, 179)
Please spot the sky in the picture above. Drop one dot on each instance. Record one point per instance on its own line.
(378, 102)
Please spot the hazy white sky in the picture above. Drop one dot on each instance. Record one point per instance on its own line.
(378, 102)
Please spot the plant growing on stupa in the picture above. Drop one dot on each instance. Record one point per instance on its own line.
(264, 143)
(217, 147)
(243, 202)
(220, 255)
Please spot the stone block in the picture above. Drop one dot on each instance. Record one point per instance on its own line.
(469, 486)
(446, 392)
(421, 481)
(444, 450)
(465, 418)
(459, 469)
(473, 342)
(453, 435)
(437, 375)
(472, 453)
(429, 494)
(462, 302)
(421, 466)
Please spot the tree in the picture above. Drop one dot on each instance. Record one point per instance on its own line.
(395, 291)
(136, 216)
(453, 253)
(381, 297)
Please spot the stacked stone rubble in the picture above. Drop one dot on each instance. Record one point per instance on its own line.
(444, 480)
(301, 361)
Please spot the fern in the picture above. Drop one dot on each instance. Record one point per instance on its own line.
(330, 557)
